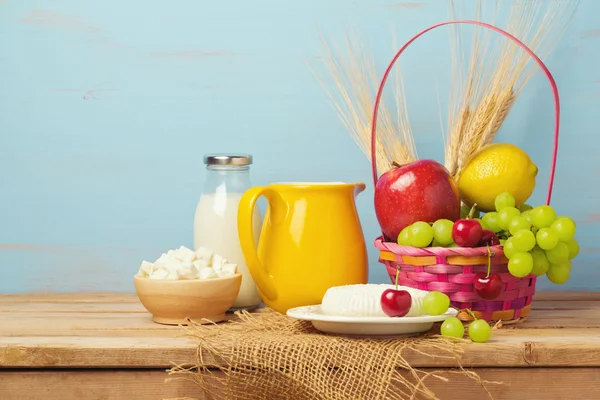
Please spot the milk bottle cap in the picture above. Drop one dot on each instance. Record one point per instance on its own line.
(227, 159)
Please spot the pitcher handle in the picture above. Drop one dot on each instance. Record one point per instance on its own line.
(263, 280)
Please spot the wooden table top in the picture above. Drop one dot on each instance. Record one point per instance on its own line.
(103, 330)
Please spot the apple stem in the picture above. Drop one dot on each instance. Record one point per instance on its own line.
(395, 164)
(397, 274)
(489, 261)
(472, 211)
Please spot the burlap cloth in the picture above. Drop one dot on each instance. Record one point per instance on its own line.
(267, 355)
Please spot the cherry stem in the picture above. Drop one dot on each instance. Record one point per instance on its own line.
(472, 211)
(489, 261)
(397, 273)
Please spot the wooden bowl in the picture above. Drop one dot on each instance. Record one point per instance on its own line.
(203, 301)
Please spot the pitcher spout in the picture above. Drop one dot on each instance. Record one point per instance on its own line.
(359, 187)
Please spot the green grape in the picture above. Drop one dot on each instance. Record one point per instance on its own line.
(546, 238)
(421, 234)
(453, 327)
(404, 237)
(482, 223)
(558, 254)
(436, 303)
(504, 200)
(452, 245)
(442, 231)
(564, 227)
(509, 248)
(528, 216)
(491, 221)
(506, 215)
(480, 331)
(525, 208)
(573, 248)
(524, 240)
(517, 224)
(520, 264)
(543, 216)
(534, 230)
(435, 243)
(540, 262)
(502, 241)
(559, 273)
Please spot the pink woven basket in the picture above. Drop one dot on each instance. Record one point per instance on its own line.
(452, 270)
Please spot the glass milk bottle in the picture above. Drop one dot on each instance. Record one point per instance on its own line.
(215, 222)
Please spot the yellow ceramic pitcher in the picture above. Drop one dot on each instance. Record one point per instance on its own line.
(311, 240)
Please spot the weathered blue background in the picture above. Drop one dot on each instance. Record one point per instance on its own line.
(107, 107)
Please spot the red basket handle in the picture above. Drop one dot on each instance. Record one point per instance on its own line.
(506, 34)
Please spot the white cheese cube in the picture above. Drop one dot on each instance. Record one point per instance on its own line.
(158, 266)
(204, 254)
(171, 254)
(227, 270)
(162, 259)
(187, 271)
(185, 254)
(201, 264)
(217, 262)
(206, 273)
(173, 265)
(146, 267)
(172, 276)
(160, 273)
(188, 257)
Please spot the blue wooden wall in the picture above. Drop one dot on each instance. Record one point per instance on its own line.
(106, 109)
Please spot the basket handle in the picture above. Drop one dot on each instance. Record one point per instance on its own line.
(502, 32)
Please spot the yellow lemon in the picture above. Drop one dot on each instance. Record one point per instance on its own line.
(497, 168)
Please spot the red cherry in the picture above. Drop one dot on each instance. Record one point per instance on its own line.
(487, 287)
(488, 238)
(396, 303)
(467, 232)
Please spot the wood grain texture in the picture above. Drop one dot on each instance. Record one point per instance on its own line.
(105, 346)
(103, 330)
(538, 383)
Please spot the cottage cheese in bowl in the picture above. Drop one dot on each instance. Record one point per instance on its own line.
(187, 264)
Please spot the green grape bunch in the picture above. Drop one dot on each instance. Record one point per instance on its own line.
(536, 240)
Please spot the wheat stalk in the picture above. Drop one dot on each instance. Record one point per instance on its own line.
(355, 77)
(496, 72)
(496, 78)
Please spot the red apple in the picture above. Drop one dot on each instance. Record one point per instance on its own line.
(396, 303)
(419, 191)
(487, 287)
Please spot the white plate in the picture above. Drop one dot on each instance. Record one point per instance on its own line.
(367, 326)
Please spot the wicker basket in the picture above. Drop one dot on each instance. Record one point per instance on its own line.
(452, 270)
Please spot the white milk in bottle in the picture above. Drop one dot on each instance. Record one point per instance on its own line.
(215, 221)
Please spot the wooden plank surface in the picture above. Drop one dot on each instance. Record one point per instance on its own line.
(113, 330)
(537, 383)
